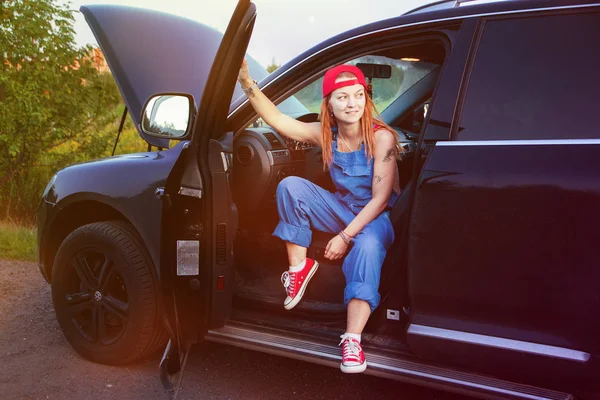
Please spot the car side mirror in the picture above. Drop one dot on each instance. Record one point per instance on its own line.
(168, 115)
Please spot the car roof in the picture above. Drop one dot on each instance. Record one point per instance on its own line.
(474, 8)
(425, 16)
(467, 4)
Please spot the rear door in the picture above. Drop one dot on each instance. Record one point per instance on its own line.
(200, 218)
(503, 251)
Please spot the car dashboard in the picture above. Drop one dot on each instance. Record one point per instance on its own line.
(263, 157)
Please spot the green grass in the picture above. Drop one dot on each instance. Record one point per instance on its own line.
(17, 242)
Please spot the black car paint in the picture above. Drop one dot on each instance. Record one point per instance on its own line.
(124, 183)
(512, 225)
(534, 276)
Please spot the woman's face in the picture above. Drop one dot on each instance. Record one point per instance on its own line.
(348, 103)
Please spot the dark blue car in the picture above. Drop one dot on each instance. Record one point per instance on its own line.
(491, 287)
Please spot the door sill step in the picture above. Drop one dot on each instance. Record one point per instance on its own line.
(282, 343)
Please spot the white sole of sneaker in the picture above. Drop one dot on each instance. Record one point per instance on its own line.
(354, 369)
(298, 297)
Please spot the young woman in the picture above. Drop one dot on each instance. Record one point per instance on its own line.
(360, 154)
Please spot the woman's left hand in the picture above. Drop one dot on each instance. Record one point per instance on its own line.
(336, 248)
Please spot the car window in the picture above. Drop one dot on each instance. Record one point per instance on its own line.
(534, 78)
(404, 74)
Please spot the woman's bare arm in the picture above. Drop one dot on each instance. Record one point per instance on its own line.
(384, 176)
(286, 125)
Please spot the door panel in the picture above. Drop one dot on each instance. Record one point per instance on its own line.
(502, 245)
(502, 242)
(199, 211)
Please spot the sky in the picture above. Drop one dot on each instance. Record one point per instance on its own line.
(283, 29)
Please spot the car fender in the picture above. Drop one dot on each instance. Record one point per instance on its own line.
(121, 187)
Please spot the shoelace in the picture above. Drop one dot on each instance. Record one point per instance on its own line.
(351, 349)
(288, 281)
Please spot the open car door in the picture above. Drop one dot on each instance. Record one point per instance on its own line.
(199, 218)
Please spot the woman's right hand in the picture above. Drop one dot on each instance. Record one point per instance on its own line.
(336, 248)
(243, 76)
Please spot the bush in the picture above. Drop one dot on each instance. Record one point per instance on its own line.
(55, 107)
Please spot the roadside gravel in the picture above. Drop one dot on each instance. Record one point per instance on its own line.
(36, 362)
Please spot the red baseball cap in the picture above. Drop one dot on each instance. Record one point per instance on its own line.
(329, 83)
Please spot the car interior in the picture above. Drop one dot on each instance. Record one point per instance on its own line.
(263, 157)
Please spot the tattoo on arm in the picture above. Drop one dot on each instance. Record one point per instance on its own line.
(391, 153)
(378, 179)
(250, 92)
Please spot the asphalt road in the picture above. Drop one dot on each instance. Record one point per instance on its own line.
(36, 362)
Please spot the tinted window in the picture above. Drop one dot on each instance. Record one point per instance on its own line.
(535, 78)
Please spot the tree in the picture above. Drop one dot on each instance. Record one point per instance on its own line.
(54, 105)
(272, 67)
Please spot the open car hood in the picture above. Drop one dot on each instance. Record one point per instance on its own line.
(151, 52)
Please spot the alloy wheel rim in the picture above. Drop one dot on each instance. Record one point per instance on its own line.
(97, 299)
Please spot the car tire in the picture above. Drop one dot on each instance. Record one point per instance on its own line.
(106, 294)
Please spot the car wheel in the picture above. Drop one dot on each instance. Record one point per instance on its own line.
(106, 294)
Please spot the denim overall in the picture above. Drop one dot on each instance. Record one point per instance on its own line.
(303, 206)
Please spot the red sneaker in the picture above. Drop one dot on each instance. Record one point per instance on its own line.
(353, 356)
(295, 283)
